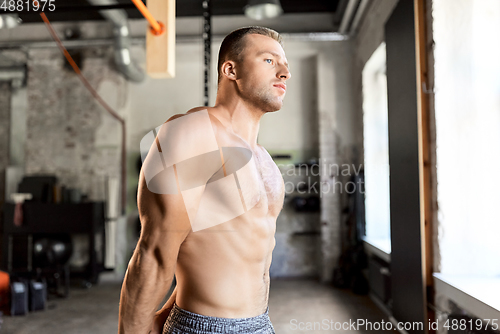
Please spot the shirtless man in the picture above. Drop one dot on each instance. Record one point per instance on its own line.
(220, 257)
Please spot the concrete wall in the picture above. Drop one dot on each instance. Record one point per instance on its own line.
(337, 146)
(341, 122)
(5, 98)
(69, 134)
(369, 36)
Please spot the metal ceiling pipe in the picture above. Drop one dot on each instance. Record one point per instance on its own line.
(359, 15)
(183, 39)
(124, 62)
(348, 15)
(316, 36)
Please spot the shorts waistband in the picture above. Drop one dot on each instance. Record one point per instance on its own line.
(197, 323)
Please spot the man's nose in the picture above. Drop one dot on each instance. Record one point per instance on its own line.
(284, 73)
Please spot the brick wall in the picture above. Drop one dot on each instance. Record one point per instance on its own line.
(65, 123)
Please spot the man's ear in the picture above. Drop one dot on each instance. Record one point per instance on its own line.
(229, 69)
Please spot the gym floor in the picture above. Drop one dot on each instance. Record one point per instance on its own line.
(291, 303)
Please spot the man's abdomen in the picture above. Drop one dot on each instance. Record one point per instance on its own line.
(224, 271)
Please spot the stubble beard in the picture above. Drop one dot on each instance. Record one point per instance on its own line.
(264, 99)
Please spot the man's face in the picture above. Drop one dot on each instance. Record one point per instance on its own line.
(262, 75)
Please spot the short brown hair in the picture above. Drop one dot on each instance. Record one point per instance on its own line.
(233, 44)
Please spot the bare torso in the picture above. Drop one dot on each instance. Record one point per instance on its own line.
(223, 271)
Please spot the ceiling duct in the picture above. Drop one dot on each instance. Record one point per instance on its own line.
(352, 17)
(123, 60)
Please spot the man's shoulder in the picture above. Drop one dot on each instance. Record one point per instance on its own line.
(194, 120)
(190, 111)
(262, 149)
(193, 110)
(182, 148)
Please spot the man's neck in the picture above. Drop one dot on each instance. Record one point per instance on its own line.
(240, 118)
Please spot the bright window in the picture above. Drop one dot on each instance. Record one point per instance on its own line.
(376, 148)
(467, 104)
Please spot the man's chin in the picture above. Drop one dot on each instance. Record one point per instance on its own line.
(272, 107)
(269, 105)
(274, 110)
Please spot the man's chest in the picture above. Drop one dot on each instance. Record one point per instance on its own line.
(258, 178)
(269, 181)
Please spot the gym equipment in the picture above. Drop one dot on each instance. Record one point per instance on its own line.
(19, 297)
(51, 252)
(37, 295)
(4, 290)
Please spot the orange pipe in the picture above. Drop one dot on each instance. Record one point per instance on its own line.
(155, 25)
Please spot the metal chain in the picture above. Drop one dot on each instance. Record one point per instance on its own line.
(207, 41)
